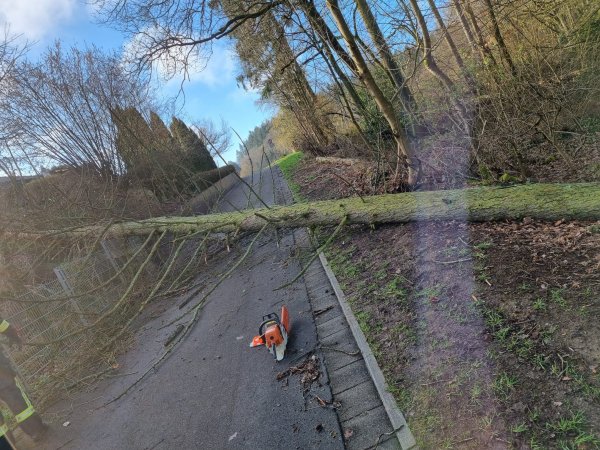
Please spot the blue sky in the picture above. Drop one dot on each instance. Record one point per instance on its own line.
(211, 93)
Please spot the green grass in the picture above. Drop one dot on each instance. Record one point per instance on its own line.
(289, 162)
(519, 428)
(539, 304)
(525, 286)
(430, 292)
(342, 265)
(590, 124)
(476, 392)
(483, 245)
(493, 318)
(573, 424)
(556, 295)
(364, 321)
(395, 289)
(288, 165)
(504, 385)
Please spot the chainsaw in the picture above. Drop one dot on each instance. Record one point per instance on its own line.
(273, 333)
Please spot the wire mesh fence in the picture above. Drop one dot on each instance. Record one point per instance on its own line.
(72, 320)
(57, 311)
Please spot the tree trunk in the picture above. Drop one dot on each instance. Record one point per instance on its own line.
(394, 70)
(322, 29)
(337, 74)
(499, 39)
(486, 53)
(432, 66)
(539, 201)
(405, 153)
(448, 38)
(465, 26)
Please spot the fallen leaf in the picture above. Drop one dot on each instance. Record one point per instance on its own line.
(319, 427)
(348, 432)
(66, 424)
(557, 403)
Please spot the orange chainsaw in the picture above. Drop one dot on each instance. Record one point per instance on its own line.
(273, 332)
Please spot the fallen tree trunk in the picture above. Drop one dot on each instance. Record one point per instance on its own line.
(539, 201)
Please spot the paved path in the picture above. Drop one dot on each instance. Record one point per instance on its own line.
(214, 392)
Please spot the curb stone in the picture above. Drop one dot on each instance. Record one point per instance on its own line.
(403, 433)
(388, 407)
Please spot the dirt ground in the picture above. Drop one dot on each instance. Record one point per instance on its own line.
(487, 333)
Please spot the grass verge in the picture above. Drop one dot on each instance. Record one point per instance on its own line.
(288, 165)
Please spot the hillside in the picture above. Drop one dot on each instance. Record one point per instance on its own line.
(486, 332)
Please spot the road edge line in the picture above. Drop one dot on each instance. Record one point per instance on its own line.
(403, 433)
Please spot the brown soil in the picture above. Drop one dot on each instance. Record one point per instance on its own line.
(487, 333)
(330, 180)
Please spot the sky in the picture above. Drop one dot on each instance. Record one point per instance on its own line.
(211, 93)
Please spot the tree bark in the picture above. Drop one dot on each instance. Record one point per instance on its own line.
(539, 201)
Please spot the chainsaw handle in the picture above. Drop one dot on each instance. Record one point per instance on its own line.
(269, 318)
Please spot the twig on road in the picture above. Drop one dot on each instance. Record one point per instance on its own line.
(316, 255)
(174, 334)
(188, 327)
(378, 441)
(452, 262)
(318, 312)
(356, 353)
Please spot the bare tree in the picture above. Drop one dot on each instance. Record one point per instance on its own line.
(405, 152)
(433, 67)
(451, 44)
(498, 36)
(175, 35)
(10, 53)
(219, 136)
(60, 108)
(393, 68)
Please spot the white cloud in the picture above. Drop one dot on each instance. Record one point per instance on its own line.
(218, 70)
(241, 95)
(213, 70)
(210, 66)
(35, 18)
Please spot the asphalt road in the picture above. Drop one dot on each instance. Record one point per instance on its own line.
(214, 392)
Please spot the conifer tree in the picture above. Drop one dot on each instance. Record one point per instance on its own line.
(133, 138)
(163, 139)
(193, 148)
